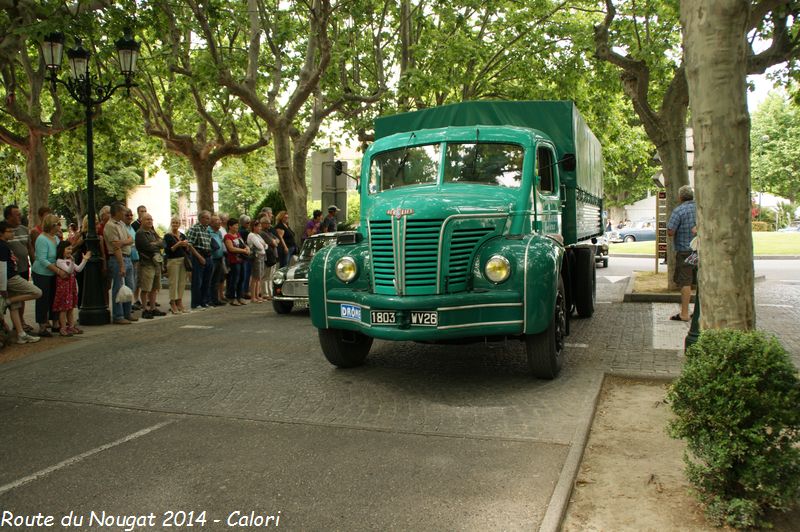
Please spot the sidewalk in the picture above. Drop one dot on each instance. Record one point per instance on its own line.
(13, 350)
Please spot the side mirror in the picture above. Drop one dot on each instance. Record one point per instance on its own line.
(568, 162)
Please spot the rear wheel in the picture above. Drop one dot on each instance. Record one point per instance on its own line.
(584, 277)
(630, 238)
(282, 307)
(344, 349)
(605, 262)
(546, 349)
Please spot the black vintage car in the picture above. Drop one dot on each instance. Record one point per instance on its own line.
(290, 283)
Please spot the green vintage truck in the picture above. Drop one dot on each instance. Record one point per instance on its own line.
(477, 222)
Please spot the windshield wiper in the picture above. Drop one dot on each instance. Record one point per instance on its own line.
(403, 159)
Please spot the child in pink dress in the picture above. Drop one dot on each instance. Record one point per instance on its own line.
(66, 296)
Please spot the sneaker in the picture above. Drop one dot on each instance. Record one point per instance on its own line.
(156, 312)
(199, 307)
(122, 321)
(218, 304)
(147, 315)
(26, 338)
(137, 306)
(131, 318)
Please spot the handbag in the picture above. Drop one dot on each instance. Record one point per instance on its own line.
(187, 261)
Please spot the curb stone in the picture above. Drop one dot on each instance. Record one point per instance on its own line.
(559, 500)
(650, 297)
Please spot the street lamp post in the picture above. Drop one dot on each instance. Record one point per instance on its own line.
(89, 91)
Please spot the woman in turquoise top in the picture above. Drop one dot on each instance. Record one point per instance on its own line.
(44, 272)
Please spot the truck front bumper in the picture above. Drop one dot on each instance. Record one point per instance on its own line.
(469, 314)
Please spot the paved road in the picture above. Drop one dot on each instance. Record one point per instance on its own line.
(235, 410)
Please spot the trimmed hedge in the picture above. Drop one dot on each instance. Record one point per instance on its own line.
(737, 405)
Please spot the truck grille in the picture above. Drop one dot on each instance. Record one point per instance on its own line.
(422, 256)
(462, 244)
(380, 234)
(417, 254)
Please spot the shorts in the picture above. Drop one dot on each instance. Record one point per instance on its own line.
(149, 276)
(684, 273)
(18, 286)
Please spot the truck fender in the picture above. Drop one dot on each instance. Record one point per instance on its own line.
(543, 263)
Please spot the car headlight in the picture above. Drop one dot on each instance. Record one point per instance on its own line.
(278, 277)
(497, 269)
(346, 269)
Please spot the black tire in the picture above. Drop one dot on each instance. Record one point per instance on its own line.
(344, 349)
(583, 281)
(282, 307)
(630, 238)
(546, 349)
(605, 262)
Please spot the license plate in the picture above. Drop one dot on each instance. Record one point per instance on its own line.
(425, 318)
(383, 317)
(350, 312)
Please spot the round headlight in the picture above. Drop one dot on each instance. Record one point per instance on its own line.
(497, 269)
(346, 269)
(278, 277)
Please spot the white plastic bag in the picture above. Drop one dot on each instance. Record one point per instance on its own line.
(125, 294)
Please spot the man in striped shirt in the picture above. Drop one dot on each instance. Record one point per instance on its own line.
(202, 265)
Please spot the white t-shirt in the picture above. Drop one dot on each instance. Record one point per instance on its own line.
(257, 243)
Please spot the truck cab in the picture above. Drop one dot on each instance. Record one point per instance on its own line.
(468, 232)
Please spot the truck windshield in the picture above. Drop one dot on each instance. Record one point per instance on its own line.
(413, 165)
(484, 163)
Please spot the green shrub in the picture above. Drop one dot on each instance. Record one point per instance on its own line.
(761, 226)
(274, 200)
(737, 405)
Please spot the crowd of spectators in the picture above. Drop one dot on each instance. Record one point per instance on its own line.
(226, 260)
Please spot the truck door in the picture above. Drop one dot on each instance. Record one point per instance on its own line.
(546, 190)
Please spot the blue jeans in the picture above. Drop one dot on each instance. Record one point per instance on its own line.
(201, 281)
(120, 310)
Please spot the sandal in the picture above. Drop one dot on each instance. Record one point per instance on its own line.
(75, 330)
(677, 317)
(235, 303)
(64, 332)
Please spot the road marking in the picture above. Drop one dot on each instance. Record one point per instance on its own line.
(75, 459)
(789, 281)
(582, 346)
(616, 278)
(196, 327)
(774, 305)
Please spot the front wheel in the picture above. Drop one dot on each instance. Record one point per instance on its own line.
(546, 349)
(630, 238)
(344, 349)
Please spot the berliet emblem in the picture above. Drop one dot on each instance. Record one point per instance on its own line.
(399, 213)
